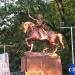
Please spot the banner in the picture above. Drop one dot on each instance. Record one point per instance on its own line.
(4, 64)
(71, 69)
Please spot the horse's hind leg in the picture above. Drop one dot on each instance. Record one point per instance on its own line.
(56, 47)
(61, 40)
(55, 50)
(45, 49)
(48, 44)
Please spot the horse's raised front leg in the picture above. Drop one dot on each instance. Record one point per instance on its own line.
(29, 43)
(31, 48)
(26, 40)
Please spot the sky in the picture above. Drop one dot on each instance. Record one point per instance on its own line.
(47, 0)
(13, 1)
(7, 1)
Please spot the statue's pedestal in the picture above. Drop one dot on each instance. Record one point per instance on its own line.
(45, 63)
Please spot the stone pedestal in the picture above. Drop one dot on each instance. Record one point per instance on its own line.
(45, 63)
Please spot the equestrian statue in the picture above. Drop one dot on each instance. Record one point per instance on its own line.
(39, 31)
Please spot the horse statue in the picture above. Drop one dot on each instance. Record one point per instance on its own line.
(32, 35)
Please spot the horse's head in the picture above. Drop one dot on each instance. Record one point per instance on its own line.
(27, 26)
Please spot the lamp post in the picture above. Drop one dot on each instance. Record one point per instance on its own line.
(5, 45)
(71, 30)
(71, 67)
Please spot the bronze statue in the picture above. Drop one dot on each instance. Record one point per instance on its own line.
(33, 34)
(40, 23)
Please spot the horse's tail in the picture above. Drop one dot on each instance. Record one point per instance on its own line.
(61, 39)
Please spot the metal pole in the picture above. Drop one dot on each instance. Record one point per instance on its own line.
(71, 30)
(4, 48)
(72, 45)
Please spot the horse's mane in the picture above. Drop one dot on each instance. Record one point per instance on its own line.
(28, 22)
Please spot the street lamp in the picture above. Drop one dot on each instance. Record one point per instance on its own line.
(71, 30)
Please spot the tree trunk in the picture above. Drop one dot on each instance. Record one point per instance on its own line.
(61, 10)
(64, 20)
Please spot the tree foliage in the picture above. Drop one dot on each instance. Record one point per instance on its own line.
(12, 14)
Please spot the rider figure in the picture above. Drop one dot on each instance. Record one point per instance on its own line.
(41, 24)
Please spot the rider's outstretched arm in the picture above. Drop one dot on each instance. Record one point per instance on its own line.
(32, 17)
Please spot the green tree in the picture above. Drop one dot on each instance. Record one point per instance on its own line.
(13, 14)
